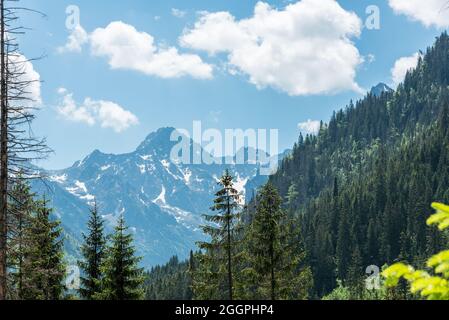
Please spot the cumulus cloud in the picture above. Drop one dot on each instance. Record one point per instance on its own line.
(127, 48)
(303, 49)
(310, 126)
(28, 75)
(402, 66)
(76, 40)
(108, 114)
(428, 12)
(178, 13)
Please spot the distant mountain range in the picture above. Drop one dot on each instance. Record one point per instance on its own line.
(162, 201)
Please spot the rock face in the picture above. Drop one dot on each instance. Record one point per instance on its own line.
(380, 88)
(162, 200)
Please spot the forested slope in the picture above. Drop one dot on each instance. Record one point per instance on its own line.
(362, 187)
(169, 282)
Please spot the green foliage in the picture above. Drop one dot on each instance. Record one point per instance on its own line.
(93, 252)
(122, 278)
(347, 293)
(43, 269)
(275, 268)
(268, 260)
(20, 208)
(339, 293)
(361, 185)
(431, 287)
(214, 278)
(171, 281)
(441, 218)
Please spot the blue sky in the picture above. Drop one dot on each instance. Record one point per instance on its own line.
(234, 94)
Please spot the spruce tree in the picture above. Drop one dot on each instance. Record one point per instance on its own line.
(93, 253)
(44, 269)
(20, 208)
(215, 273)
(355, 275)
(275, 257)
(292, 195)
(343, 249)
(123, 278)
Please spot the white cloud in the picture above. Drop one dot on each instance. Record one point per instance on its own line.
(401, 66)
(428, 12)
(310, 126)
(76, 40)
(178, 13)
(127, 48)
(303, 49)
(108, 114)
(111, 115)
(62, 91)
(28, 75)
(71, 111)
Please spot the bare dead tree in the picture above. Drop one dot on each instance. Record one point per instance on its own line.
(3, 157)
(19, 148)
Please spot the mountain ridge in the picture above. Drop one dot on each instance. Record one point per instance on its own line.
(162, 200)
(380, 88)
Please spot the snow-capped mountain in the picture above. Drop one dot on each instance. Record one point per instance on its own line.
(162, 200)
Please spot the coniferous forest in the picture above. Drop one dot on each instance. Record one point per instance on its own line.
(348, 203)
(356, 195)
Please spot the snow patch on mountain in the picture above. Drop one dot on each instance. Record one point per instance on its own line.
(160, 200)
(88, 197)
(81, 186)
(146, 157)
(59, 179)
(187, 175)
(240, 185)
(142, 168)
(78, 189)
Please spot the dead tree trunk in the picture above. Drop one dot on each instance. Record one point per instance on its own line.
(3, 157)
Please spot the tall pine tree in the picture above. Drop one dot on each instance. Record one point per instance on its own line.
(215, 273)
(44, 269)
(275, 256)
(93, 251)
(20, 208)
(123, 278)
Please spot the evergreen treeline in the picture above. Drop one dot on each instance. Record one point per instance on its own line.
(172, 281)
(36, 263)
(362, 186)
(252, 254)
(35, 248)
(110, 269)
